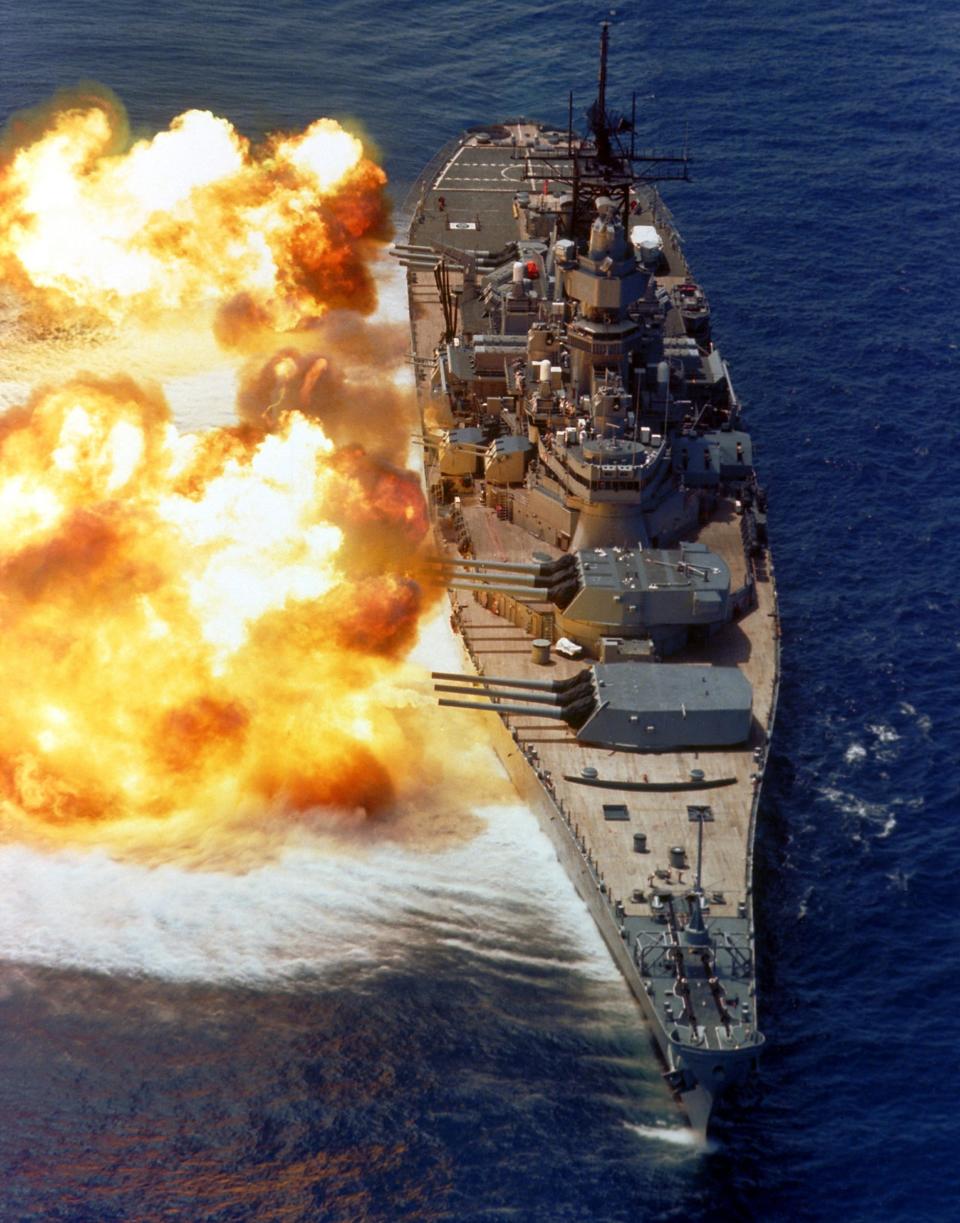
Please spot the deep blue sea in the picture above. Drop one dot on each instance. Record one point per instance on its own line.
(454, 1044)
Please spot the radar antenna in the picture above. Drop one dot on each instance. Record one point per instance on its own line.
(606, 164)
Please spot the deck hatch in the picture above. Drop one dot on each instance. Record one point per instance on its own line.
(615, 811)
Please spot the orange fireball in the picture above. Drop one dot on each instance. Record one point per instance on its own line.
(204, 634)
(195, 215)
(187, 626)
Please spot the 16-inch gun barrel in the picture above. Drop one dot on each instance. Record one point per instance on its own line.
(537, 698)
(536, 593)
(556, 714)
(536, 685)
(570, 700)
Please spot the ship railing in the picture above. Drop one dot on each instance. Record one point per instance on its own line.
(424, 181)
(614, 906)
(733, 960)
(656, 958)
(600, 481)
(662, 216)
(739, 952)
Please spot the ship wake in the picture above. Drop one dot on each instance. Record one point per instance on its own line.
(674, 1136)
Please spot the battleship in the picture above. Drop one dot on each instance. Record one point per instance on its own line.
(602, 533)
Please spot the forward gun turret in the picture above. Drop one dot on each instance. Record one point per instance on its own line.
(652, 594)
(628, 706)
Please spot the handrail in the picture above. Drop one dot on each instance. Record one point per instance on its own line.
(414, 196)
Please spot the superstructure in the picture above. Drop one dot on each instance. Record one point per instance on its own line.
(602, 533)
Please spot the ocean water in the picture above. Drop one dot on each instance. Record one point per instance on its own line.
(409, 1036)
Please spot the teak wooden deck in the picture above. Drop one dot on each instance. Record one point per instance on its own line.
(499, 648)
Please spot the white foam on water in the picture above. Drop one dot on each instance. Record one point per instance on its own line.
(86, 910)
(889, 824)
(319, 906)
(878, 815)
(887, 739)
(855, 753)
(321, 903)
(677, 1136)
(922, 720)
(886, 734)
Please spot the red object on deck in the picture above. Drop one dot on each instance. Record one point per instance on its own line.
(532, 270)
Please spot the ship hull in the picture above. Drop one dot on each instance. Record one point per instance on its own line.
(644, 793)
(697, 1102)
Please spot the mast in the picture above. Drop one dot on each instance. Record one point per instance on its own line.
(700, 823)
(602, 126)
(696, 931)
(602, 78)
(605, 163)
(597, 115)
